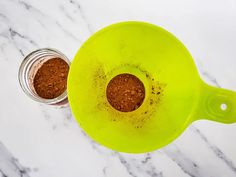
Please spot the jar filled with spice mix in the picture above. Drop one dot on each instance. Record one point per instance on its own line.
(43, 76)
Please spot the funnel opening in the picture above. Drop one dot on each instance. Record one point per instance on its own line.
(125, 92)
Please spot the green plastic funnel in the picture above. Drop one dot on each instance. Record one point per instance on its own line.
(175, 96)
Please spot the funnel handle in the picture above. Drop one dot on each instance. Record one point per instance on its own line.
(217, 104)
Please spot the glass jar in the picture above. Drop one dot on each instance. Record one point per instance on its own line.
(29, 67)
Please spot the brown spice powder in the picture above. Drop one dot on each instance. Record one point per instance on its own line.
(50, 80)
(125, 92)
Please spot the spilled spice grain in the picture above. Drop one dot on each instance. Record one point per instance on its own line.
(125, 92)
(50, 80)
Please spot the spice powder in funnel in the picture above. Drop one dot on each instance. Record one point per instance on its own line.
(125, 92)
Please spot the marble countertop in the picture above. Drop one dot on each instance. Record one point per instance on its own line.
(43, 141)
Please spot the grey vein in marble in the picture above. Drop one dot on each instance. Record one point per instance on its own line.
(94, 145)
(32, 9)
(3, 16)
(2, 173)
(186, 164)
(45, 112)
(64, 11)
(12, 36)
(78, 6)
(35, 10)
(147, 158)
(68, 33)
(15, 44)
(9, 165)
(14, 33)
(209, 76)
(137, 167)
(29, 7)
(215, 149)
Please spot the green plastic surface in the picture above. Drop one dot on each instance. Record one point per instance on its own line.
(175, 96)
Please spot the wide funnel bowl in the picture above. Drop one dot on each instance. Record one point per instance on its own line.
(173, 87)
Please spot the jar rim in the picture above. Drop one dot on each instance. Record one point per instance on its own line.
(21, 77)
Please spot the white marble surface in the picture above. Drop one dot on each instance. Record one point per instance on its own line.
(42, 141)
